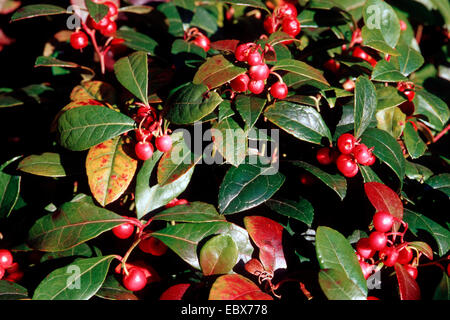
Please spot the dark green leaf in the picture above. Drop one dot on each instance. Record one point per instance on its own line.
(230, 140)
(442, 291)
(96, 10)
(373, 38)
(181, 46)
(113, 290)
(300, 68)
(173, 18)
(417, 172)
(9, 190)
(204, 20)
(82, 250)
(409, 59)
(7, 101)
(368, 174)
(337, 286)
(47, 164)
(12, 291)
(387, 72)
(388, 97)
(218, 255)
(225, 110)
(379, 15)
(365, 104)
(137, 41)
(440, 182)
(433, 108)
(37, 10)
(216, 71)
(248, 3)
(413, 142)
(250, 108)
(193, 212)
(301, 210)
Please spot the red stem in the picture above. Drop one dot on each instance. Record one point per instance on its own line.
(441, 134)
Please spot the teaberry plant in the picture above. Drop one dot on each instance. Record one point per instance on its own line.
(324, 175)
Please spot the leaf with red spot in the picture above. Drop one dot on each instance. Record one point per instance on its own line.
(175, 292)
(407, 286)
(72, 105)
(110, 169)
(216, 71)
(225, 45)
(267, 235)
(236, 287)
(384, 198)
(94, 90)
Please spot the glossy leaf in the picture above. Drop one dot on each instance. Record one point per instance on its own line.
(218, 255)
(337, 286)
(368, 174)
(365, 104)
(184, 238)
(409, 59)
(89, 274)
(216, 71)
(387, 72)
(132, 73)
(182, 46)
(435, 109)
(191, 103)
(388, 97)
(250, 108)
(47, 164)
(408, 287)
(44, 61)
(9, 190)
(236, 287)
(413, 142)
(417, 172)
(422, 247)
(136, 9)
(391, 120)
(71, 225)
(387, 149)
(137, 41)
(380, 16)
(230, 140)
(300, 68)
(247, 186)
(204, 20)
(303, 122)
(82, 128)
(109, 169)
(442, 291)
(373, 38)
(336, 182)
(418, 221)
(37, 10)
(112, 289)
(440, 182)
(175, 292)
(192, 212)
(96, 10)
(301, 210)
(12, 291)
(82, 250)
(267, 235)
(335, 252)
(173, 18)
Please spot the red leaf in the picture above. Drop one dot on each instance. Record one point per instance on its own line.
(236, 287)
(267, 235)
(408, 287)
(175, 292)
(225, 45)
(384, 199)
(254, 267)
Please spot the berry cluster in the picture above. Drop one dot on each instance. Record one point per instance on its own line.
(352, 153)
(149, 126)
(258, 72)
(407, 89)
(136, 275)
(284, 16)
(389, 253)
(193, 35)
(9, 270)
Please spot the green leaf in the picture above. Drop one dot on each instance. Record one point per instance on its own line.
(216, 71)
(47, 164)
(181, 46)
(417, 221)
(218, 255)
(173, 18)
(248, 3)
(440, 182)
(9, 190)
(43, 61)
(37, 10)
(336, 182)
(132, 73)
(190, 103)
(230, 140)
(417, 172)
(303, 122)
(365, 104)
(388, 97)
(435, 109)
(112, 289)
(136, 9)
(137, 41)
(204, 20)
(337, 286)
(247, 186)
(71, 225)
(96, 10)
(335, 252)
(194, 212)
(81, 128)
(442, 291)
(413, 142)
(368, 174)
(12, 291)
(7, 101)
(62, 284)
(409, 59)
(250, 108)
(301, 210)
(225, 110)
(387, 72)
(373, 38)
(387, 149)
(184, 239)
(82, 250)
(379, 15)
(391, 120)
(300, 68)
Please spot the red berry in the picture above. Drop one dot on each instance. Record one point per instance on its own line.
(306, 179)
(79, 40)
(203, 42)
(346, 143)
(362, 154)
(144, 150)
(347, 165)
(366, 269)
(2, 272)
(103, 23)
(176, 202)
(332, 65)
(286, 10)
(123, 231)
(153, 246)
(279, 90)
(412, 271)
(372, 298)
(270, 25)
(383, 221)
(109, 30)
(135, 280)
(407, 108)
(182, 201)
(405, 255)
(377, 240)
(113, 10)
(143, 134)
(260, 72)
(256, 86)
(403, 25)
(163, 143)
(325, 156)
(389, 255)
(254, 58)
(15, 276)
(364, 249)
(291, 26)
(240, 83)
(409, 94)
(360, 53)
(13, 268)
(6, 258)
(241, 52)
(371, 160)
